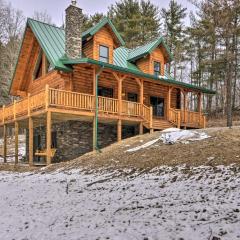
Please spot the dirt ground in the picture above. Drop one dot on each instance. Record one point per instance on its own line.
(222, 148)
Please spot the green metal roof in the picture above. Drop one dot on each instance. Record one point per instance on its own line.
(51, 40)
(93, 30)
(141, 51)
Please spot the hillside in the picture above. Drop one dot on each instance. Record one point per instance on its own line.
(221, 148)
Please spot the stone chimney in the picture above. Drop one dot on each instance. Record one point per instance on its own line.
(73, 31)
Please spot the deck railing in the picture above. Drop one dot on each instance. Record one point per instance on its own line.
(107, 105)
(67, 99)
(175, 117)
(61, 99)
(131, 108)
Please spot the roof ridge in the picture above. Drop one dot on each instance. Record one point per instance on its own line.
(151, 41)
(51, 25)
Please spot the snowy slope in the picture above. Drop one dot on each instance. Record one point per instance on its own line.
(168, 203)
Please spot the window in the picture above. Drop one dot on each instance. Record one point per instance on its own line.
(105, 92)
(157, 69)
(38, 67)
(104, 54)
(132, 97)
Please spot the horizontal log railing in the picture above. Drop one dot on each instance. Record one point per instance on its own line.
(72, 100)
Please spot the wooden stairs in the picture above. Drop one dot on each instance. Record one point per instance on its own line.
(159, 124)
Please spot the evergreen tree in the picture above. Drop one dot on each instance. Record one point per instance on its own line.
(138, 22)
(174, 31)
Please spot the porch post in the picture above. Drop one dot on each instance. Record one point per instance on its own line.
(16, 141)
(49, 136)
(4, 143)
(119, 123)
(141, 102)
(185, 109)
(169, 101)
(30, 153)
(200, 107)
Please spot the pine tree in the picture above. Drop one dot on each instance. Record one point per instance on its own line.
(174, 31)
(138, 22)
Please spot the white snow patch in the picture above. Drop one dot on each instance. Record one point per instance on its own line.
(183, 136)
(146, 145)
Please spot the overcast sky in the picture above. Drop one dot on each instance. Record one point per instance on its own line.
(55, 8)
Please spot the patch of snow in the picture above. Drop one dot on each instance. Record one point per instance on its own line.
(168, 203)
(171, 130)
(146, 145)
(183, 136)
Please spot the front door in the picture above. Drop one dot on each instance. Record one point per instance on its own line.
(158, 106)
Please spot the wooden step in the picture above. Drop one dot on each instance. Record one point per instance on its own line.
(161, 124)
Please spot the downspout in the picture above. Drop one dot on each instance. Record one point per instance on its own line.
(96, 109)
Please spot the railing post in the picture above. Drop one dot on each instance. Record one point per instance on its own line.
(47, 96)
(178, 119)
(204, 121)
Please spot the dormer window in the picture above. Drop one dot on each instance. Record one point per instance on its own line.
(103, 54)
(157, 69)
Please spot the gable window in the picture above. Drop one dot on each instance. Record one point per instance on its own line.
(104, 54)
(38, 67)
(157, 69)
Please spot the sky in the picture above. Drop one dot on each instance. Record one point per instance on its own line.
(56, 8)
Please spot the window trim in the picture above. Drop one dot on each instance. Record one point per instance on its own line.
(103, 57)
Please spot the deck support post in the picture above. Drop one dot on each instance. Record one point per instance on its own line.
(30, 148)
(16, 129)
(141, 128)
(119, 130)
(94, 134)
(48, 135)
(4, 143)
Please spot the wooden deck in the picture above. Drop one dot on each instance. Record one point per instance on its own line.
(66, 102)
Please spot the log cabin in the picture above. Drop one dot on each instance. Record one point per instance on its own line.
(80, 90)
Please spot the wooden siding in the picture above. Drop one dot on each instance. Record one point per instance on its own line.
(103, 37)
(157, 56)
(144, 64)
(88, 48)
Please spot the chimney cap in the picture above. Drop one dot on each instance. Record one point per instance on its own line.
(74, 2)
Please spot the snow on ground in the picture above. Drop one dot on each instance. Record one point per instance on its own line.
(167, 203)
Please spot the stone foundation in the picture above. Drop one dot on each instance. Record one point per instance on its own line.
(74, 138)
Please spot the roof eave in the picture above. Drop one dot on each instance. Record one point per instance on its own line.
(135, 72)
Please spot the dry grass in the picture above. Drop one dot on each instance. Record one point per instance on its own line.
(223, 148)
